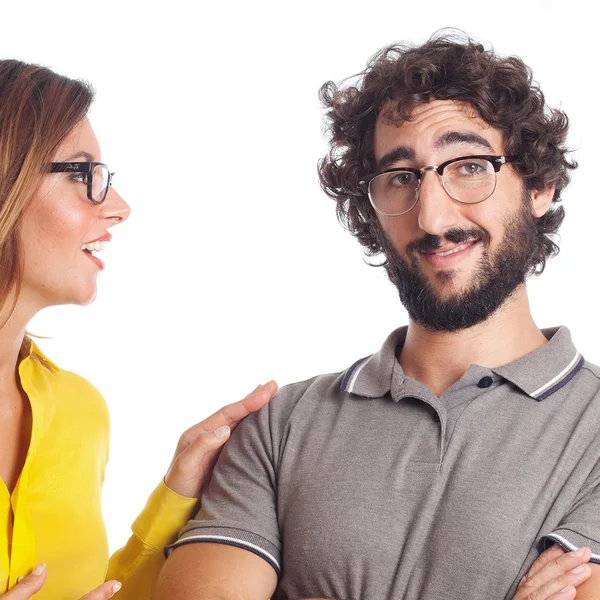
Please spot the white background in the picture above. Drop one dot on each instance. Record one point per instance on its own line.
(232, 268)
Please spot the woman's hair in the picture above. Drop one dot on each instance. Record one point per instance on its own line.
(38, 109)
(449, 66)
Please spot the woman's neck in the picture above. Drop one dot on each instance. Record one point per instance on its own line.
(13, 324)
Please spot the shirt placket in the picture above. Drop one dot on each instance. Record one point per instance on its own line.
(23, 547)
(6, 520)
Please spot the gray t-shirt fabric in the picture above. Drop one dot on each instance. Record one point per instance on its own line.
(365, 485)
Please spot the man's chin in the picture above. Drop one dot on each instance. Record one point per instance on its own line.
(450, 283)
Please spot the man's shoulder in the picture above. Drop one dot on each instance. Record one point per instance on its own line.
(590, 377)
(592, 368)
(320, 388)
(303, 400)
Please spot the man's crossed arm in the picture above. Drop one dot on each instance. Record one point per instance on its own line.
(206, 571)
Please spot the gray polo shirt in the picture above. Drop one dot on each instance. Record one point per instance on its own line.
(364, 485)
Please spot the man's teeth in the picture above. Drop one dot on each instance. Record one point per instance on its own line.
(95, 246)
(456, 249)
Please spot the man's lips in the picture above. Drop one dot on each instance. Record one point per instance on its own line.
(448, 250)
(449, 256)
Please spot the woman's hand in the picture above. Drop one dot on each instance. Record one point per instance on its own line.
(555, 575)
(31, 584)
(199, 446)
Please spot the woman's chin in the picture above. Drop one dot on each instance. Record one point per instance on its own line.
(83, 297)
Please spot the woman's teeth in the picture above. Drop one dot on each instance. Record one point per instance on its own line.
(94, 246)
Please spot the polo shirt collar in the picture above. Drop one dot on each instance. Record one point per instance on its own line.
(545, 370)
(539, 373)
(371, 377)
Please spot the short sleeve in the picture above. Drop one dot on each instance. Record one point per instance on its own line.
(581, 525)
(239, 507)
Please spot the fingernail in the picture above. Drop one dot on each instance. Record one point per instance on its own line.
(116, 587)
(39, 569)
(565, 590)
(20, 578)
(579, 569)
(221, 432)
(579, 552)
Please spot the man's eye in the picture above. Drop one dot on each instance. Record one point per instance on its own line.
(470, 168)
(402, 179)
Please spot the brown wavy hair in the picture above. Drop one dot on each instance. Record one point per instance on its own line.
(38, 109)
(449, 66)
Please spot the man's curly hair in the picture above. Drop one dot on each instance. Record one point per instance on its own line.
(449, 66)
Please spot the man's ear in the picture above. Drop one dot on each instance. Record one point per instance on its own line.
(541, 200)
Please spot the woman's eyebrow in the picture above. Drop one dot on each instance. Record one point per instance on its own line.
(81, 154)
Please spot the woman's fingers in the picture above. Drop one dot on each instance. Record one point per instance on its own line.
(191, 470)
(199, 446)
(29, 585)
(231, 414)
(103, 592)
(556, 576)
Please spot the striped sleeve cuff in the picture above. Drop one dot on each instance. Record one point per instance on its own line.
(570, 540)
(231, 537)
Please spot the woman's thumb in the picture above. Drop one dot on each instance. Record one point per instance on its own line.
(29, 585)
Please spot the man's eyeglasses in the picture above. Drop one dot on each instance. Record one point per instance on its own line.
(95, 175)
(466, 179)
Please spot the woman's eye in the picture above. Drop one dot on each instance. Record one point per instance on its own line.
(78, 177)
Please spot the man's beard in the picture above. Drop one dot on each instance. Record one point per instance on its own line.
(495, 278)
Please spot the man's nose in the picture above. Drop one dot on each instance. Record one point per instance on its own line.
(438, 212)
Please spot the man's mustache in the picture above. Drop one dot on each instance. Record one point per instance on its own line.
(431, 243)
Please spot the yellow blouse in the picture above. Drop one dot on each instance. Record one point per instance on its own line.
(54, 515)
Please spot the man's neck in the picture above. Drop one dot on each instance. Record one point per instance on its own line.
(439, 359)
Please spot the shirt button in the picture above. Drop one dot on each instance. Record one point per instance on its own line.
(485, 382)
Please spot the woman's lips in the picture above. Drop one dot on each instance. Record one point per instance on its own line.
(94, 259)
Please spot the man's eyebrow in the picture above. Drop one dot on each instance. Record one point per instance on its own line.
(81, 154)
(396, 155)
(448, 139)
(460, 137)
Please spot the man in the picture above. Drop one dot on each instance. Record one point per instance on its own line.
(442, 465)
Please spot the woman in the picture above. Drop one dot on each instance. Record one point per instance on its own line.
(57, 208)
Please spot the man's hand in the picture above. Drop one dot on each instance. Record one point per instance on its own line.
(555, 575)
(33, 583)
(199, 446)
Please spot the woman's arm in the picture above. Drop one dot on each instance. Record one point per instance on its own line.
(174, 501)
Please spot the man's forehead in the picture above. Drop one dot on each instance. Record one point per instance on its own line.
(428, 123)
(434, 109)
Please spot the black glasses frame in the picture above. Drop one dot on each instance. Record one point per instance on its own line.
(497, 162)
(83, 167)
